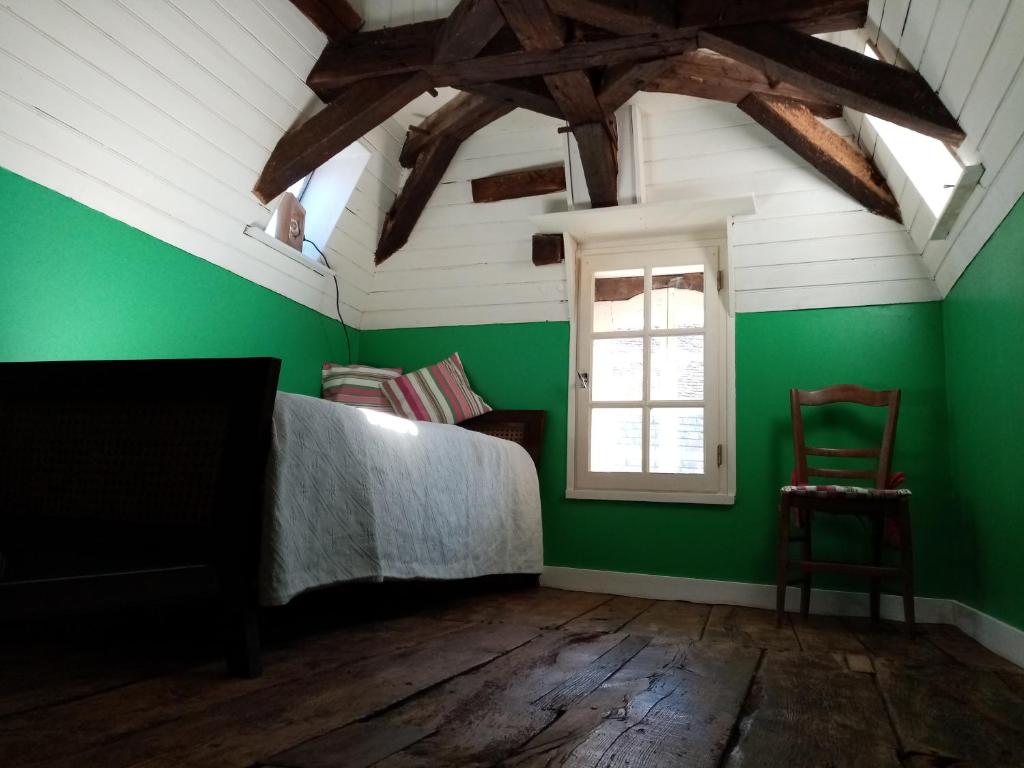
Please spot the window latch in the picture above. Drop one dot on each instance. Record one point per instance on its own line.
(584, 379)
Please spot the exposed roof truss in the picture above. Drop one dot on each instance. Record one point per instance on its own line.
(579, 60)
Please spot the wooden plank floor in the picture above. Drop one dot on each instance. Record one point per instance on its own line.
(530, 677)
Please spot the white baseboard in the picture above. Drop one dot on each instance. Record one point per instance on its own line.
(994, 634)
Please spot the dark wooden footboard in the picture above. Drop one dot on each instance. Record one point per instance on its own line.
(123, 474)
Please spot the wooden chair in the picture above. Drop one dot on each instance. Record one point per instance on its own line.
(877, 503)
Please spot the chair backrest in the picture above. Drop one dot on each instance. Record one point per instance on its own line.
(845, 393)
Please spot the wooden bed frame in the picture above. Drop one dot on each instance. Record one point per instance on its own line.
(120, 480)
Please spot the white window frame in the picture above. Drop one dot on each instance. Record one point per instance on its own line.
(717, 485)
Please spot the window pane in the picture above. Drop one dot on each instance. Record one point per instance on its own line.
(677, 441)
(619, 300)
(617, 370)
(615, 440)
(677, 368)
(677, 297)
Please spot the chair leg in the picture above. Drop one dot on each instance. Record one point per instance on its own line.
(877, 535)
(907, 564)
(806, 553)
(781, 563)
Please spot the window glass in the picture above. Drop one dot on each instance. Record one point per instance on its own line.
(618, 369)
(677, 297)
(619, 300)
(677, 440)
(677, 367)
(616, 440)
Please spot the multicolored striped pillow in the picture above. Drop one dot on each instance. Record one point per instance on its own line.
(358, 385)
(439, 393)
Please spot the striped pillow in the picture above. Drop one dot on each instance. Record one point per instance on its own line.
(358, 385)
(439, 393)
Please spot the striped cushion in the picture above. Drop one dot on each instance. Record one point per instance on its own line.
(439, 393)
(358, 385)
(845, 491)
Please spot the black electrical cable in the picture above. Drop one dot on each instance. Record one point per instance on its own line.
(337, 298)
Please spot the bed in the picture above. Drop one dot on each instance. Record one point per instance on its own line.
(359, 495)
(122, 480)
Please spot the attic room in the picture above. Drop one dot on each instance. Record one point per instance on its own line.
(511, 382)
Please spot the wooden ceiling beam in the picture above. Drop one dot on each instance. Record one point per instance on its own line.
(511, 186)
(335, 18)
(637, 17)
(599, 155)
(427, 173)
(467, 30)
(709, 75)
(623, 80)
(358, 110)
(839, 160)
(836, 74)
(459, 118)
(405, 50)
(526, 93)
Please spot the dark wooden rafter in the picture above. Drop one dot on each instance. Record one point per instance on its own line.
(335, 18)
(839, 160)
(709, 75)
(527, 93)
(359, 109)
(528, 183)
(460, 118)
(429, 150)
(430, 167)
(467, 30)
(658, 17)
(836, 74)
(622, 81)
(540, 30)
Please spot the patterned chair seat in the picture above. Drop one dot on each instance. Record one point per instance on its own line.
(843, 491)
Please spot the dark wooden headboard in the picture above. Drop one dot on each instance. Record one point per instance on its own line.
(523, 427)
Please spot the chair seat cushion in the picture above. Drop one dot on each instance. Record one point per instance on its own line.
(843, 491)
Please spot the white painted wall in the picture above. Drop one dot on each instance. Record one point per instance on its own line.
(162, 114)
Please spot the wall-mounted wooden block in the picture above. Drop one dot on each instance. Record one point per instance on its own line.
(548, 249)
(508, 186)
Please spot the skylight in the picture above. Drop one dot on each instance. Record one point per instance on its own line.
(929, 164)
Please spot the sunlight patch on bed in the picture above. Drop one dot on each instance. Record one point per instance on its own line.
(392, 422)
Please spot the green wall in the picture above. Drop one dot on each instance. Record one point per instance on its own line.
(984, 336)
(526, 366)
(75, 284)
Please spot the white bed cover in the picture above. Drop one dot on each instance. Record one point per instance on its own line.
(359, 495)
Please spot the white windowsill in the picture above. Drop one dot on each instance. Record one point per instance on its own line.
(253, 231)
(670, 497)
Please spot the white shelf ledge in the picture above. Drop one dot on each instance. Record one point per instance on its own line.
(686, 215)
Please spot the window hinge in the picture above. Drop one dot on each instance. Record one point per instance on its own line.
(721, 280)
(719, 454)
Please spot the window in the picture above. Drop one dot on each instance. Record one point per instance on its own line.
(650, 397)
(324, 194)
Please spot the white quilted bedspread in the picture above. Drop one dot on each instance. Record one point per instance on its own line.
(358, 495)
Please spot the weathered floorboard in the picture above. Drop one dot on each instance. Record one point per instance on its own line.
(821, 634)
(966, 650)
(67, 729)
(965, 716)
(808, 710)
(541, 608)
(749, 626)
(888, 640)
(673, 704)
(271, 719)
(478, 717)
(610, 616)
(671, 622)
